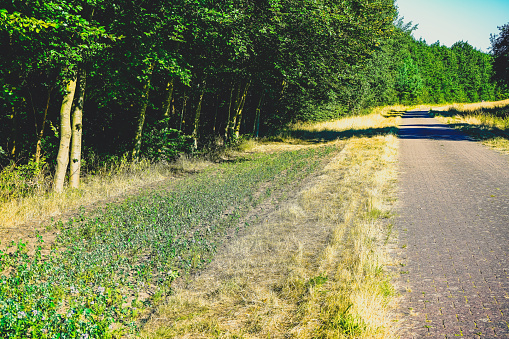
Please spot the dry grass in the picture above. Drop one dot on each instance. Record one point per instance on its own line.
(108, 183)
(486, 121)
(310, 266)
(473, 107)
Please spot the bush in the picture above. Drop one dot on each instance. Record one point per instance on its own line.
(163, 143)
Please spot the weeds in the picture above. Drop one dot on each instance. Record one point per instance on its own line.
(312, 267)
(105, 270)
(28, 197)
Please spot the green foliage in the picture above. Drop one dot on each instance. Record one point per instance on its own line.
(18, 181)
(409, 83)
(500, 51)
(299, 60)
(97, 278)
(163, 143)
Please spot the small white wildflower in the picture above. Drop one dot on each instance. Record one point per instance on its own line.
(21, 315)
(101, 289)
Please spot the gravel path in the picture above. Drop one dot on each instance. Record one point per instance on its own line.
(454, 233)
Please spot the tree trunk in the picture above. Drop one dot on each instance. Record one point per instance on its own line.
(141, 117)
(232, 111)
(38, 146)
(65, 137)
(240, 109)
(184, 104)
(256, 127)
(77, 131)
(196, 125)
(14, 135)
(227, 134)
(169, 97)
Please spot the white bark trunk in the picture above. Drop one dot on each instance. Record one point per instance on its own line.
(65, 137)
(77, 131)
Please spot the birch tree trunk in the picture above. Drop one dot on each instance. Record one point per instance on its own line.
(141, 117)
(77, 131)
(184, 104)
(227, 134)
(65, 137)
(38, 146)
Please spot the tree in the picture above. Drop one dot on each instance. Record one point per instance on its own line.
(500, 52)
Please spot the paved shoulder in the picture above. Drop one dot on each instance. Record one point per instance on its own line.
(454, 233)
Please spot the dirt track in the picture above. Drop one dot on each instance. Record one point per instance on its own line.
(454, 233)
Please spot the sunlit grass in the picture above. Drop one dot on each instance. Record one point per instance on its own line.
(107, 182)
(299, 227)
(487, 121)
(308, 266)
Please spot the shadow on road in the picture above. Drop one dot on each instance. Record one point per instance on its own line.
(434, 131)
(483, 131)
(331, 135)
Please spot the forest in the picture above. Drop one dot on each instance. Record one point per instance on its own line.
(85, 81)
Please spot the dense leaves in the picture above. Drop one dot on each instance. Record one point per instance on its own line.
(500, 51)
(215, 69)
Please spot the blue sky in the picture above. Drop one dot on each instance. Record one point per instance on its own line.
(449, 21)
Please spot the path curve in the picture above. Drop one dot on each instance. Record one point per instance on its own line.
(453, 226)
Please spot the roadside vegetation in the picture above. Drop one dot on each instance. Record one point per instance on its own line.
(309, 266)
(487, 122)
(296, 224)
(25, 198)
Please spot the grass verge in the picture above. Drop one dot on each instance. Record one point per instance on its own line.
(305, 225)
(487, 122)
(309, 266)
(105, 270)
(29, 199)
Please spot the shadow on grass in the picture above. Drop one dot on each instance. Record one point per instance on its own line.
(483, 131)
(393, 113)
(499, 112)
(331, 135)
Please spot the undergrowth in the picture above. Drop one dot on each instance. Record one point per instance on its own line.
(107, 269)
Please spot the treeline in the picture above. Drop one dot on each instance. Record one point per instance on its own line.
(154, 78)
(409, 71)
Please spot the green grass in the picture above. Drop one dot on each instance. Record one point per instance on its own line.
(106, 269)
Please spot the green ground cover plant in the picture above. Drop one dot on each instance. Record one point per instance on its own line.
(106, 269)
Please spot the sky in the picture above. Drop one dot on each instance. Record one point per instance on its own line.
(449, 21)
